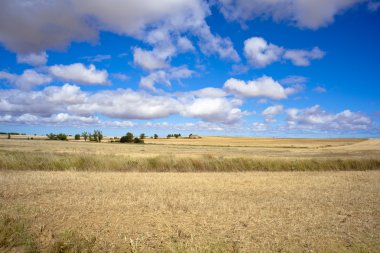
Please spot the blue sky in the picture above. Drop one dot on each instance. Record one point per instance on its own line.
(221, 67)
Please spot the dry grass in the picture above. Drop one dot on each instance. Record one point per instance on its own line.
(208, 212)
(49, 204)
(312, 148)
(17, 160)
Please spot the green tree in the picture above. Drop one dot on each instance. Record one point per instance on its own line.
(129, 136)
(155, 136)
(77, 137)
(98, 136)
(51, 136)
(142, 136)
(85, 135)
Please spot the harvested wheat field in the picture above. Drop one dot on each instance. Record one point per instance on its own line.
(254, 195)
(192, 212)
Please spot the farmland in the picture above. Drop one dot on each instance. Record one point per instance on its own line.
(237, 195)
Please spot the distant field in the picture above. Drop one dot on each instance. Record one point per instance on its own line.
(76, 196)
(190, 212)
(185, 156)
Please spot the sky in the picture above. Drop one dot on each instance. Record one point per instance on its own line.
(278, 68)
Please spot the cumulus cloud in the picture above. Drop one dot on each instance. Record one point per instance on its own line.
(310, 14)
(164, 77)
(259, 127)
(34, 59)
(50, 100)
(264, 86)
(35, 26)
(149, 60)
(27, 80)
(214, 109)
(315, 118)
(64, 119)
(214, 44)
(303, 57)
(78, 72)
(123, 104)
(270, 112)
(260, 53)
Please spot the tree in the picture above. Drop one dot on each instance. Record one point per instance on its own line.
(77, 137)
(142, 136)
(155, 136)
(51, 136)
(85, 135)
(98, 136)
(129, 136)
(9, 135)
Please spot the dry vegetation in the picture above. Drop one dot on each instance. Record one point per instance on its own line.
(192, 212)
(58, 196)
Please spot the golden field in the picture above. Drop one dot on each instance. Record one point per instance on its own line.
(59, 196)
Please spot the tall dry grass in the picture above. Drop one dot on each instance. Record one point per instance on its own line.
(16, 160)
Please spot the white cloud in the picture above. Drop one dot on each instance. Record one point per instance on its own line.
(211, 44)
(214, 109)
(34, 59)
(320, 89)
(120, 76)
(27, 80)
(165, 25)
(164, 77)
(273, 110)
(98, 58)
(64, 119)
(148, 60)
(259, 127)
(119, 104)
(303, 57)
(294, 80)
(260, 53)
(209, 92)
(305, 14)
(78, 72)
(270, 112)
(261, 87)
(315, 118)
(184, 44)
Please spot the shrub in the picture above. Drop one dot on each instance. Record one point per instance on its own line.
(77, 137)
(137, 140)
(62, 137)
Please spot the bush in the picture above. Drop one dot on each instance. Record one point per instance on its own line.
(62, 137)
(128, 138)
(137, 140)
(77, 137)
